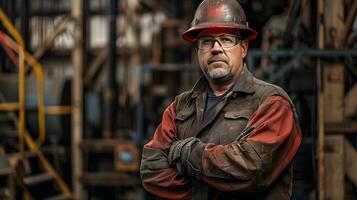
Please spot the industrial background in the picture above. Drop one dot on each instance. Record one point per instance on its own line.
(83, 84)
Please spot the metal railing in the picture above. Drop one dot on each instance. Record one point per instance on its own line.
(18, 46)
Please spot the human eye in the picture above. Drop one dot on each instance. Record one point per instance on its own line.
(206, 40)
(226, 39)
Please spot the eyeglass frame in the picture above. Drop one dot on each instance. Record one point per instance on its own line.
(238, 39)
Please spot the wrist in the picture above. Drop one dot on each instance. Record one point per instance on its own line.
(193, 159)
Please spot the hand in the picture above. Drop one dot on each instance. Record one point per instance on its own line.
(179, 157)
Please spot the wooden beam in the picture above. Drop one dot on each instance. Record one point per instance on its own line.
(334, 12)
(320, 106)
(351, 162)
(350, 103)
(345, 127)
(333, 80)
(98, 63)
(95, 67)
(77, 100)
(349, 21)
(334, 92)
(335, 171)
(49, 41)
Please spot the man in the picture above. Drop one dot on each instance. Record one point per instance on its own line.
(232, 136)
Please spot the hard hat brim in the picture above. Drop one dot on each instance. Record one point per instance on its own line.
(247, 33)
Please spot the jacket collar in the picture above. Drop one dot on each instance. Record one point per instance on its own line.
(244, 84)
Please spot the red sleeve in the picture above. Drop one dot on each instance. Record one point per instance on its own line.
(255, 161)
(157, 177)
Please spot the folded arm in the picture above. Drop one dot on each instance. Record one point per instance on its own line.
(156, 174)
(254, 161)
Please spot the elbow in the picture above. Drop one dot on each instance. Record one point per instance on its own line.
(251, 170)
(260, 182)
(256, 178)
(254, 169)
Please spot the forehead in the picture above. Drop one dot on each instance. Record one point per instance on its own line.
(216, 32)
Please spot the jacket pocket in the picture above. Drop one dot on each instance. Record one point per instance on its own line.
(245, 114)
(183, 121)
(234, 123)
(184, 114)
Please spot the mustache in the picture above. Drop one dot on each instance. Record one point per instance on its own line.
(215, 59)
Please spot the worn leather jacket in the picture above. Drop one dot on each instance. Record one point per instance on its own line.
(246, 144)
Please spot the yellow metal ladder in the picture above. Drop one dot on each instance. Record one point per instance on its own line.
(48, 172)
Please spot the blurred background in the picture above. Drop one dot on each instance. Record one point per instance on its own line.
(83, 84)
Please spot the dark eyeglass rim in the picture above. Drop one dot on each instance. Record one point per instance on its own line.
(237, 37)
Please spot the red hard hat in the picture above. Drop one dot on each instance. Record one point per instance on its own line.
(225, 15)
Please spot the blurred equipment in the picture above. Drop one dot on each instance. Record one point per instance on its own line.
(56, 101)
(323, 82)
(126, 158)
(6, 178)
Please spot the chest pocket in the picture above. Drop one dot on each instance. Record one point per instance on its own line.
(184, 121)
(233, 124)
(237, 115)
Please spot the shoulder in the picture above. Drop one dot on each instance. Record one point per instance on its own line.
(263, 90)
(183, 99)
(184, 96)
(267, 92)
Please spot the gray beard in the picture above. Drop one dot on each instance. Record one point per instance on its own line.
(224, 77)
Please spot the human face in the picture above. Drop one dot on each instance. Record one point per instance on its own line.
(220, 64)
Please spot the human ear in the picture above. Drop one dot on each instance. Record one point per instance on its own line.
(244, 44)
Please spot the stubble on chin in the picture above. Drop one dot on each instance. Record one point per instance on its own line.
(219, 76)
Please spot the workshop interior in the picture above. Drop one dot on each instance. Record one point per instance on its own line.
(84, 83)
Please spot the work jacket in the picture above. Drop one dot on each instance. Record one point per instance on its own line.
(247, 142)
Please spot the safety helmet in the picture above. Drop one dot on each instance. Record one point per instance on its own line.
(219, 15)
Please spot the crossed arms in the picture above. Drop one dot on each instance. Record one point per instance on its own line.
(250, 163)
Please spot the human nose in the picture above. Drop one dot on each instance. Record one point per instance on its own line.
(216, 46)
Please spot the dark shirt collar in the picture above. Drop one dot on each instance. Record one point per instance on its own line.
(243, 84)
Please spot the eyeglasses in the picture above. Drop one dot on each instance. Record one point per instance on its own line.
(225, 41)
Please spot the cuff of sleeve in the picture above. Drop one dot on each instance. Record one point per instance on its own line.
(193, 165)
